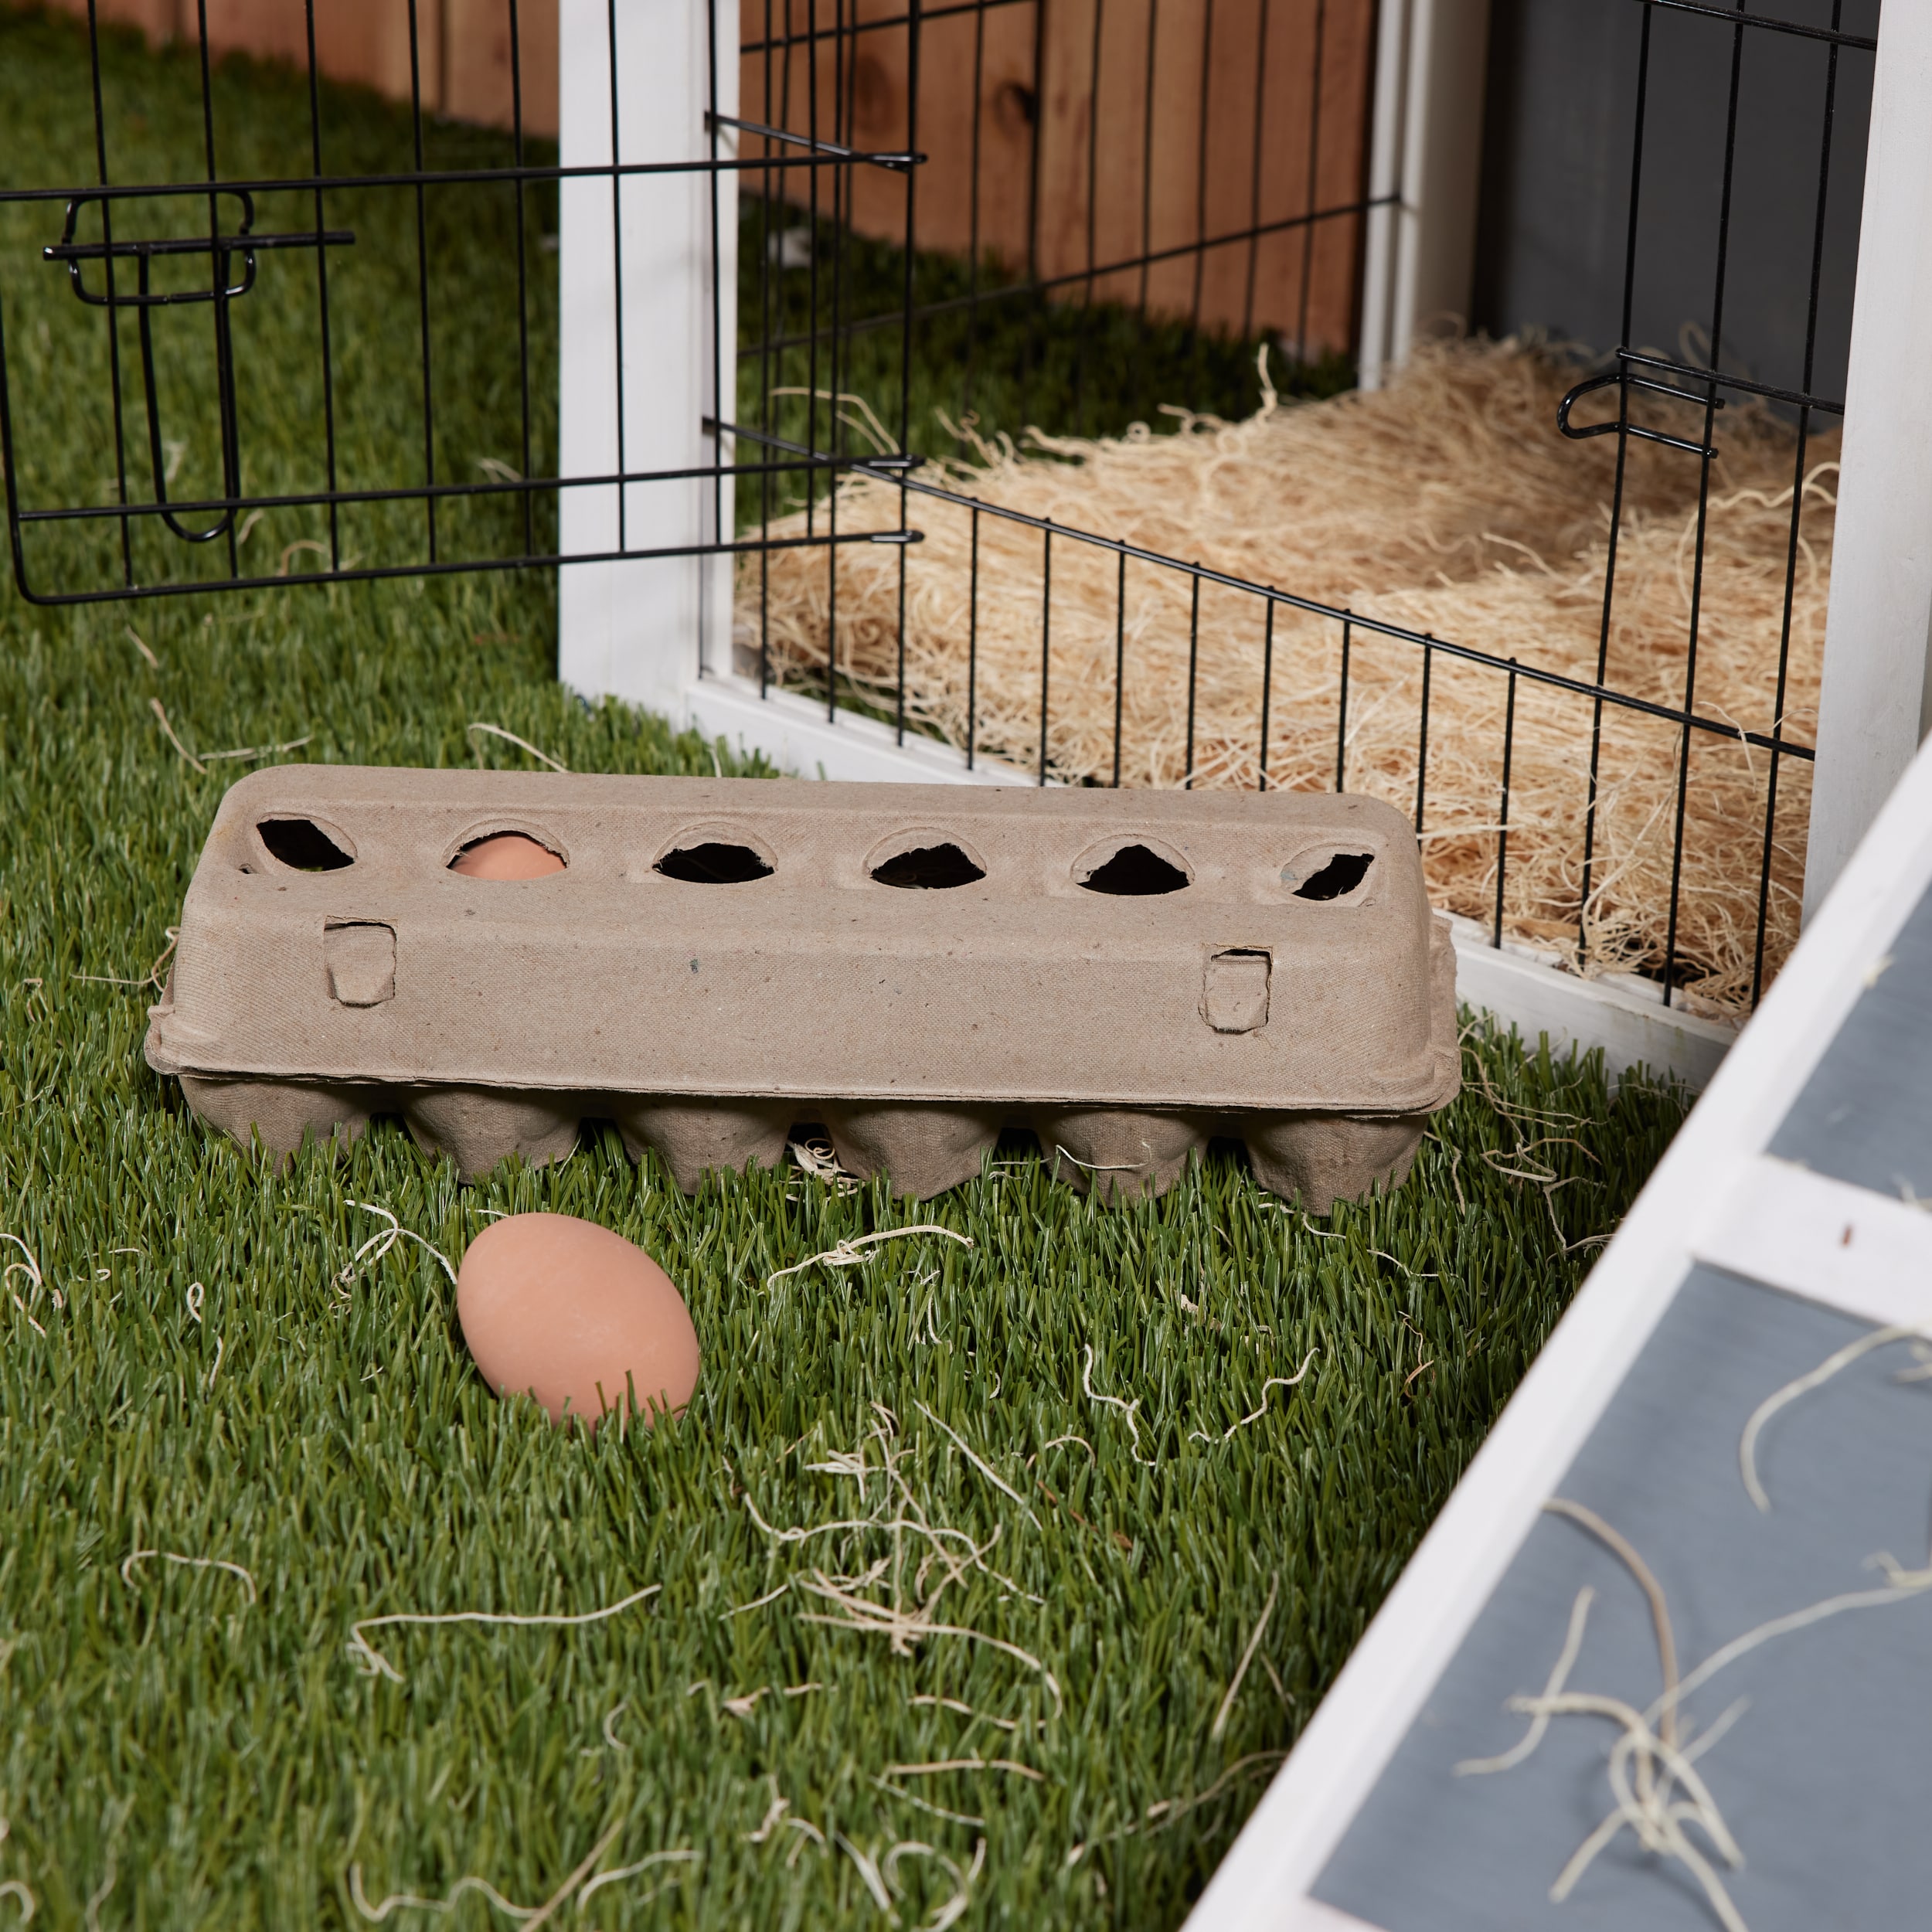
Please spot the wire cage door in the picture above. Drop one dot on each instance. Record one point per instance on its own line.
(253, 353)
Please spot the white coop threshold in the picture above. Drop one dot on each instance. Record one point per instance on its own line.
(1517, 985)
(795, 734)
(1624, 1015)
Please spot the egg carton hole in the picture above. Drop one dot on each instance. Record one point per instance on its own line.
(940, 868)
(302, 845)
(1135, 872)
(1336, 879)
(713, 863)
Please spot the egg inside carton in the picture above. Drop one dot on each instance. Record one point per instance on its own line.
(498, 956)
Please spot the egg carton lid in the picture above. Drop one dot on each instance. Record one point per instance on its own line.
(743, 938)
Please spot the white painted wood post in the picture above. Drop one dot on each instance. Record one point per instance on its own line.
(1419, 262)
(1875, 704)
(641, 249)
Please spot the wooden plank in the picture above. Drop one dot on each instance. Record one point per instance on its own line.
(464, 47)
(477, 70)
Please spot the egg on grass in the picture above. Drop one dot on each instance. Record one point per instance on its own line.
(576, 1316)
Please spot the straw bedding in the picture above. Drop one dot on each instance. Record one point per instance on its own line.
(1445, 503)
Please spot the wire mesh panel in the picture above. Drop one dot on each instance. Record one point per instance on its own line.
(1673, 403)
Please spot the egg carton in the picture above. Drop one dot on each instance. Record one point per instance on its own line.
(1129, 974)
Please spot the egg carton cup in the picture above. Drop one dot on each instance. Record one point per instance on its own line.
(1129, 974)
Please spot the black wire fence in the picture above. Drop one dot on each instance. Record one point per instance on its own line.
(987, 211)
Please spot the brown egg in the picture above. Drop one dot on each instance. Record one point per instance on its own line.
(506, 855)
(568, 1312)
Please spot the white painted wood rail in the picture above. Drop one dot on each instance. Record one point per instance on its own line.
(1876, 705)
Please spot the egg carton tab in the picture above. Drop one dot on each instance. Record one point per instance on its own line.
(497, 956)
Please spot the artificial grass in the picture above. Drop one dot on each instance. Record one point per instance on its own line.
(195, 1378)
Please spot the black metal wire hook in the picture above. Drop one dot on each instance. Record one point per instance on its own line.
(225, 285)
(225, 403)
(224, 288)
(1621, 378)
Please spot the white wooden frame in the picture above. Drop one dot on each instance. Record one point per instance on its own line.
(1419, 252)
(643, 630)
(657, 631)
(1876, 705)
(1716, 1196)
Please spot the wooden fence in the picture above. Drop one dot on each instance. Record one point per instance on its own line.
(463, 65)
(1065, 136)
(1199, 141)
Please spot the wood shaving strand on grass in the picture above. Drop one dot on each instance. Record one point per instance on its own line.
(851, 1253)
(1158, 1817)
(984, 1468)
(953, 1908)
(965, 1764)
(906, 1630)
(1114, 1402)
(15, 1888)
(409, 1901)
(770, 1596)
(868, 1872)
(29, 1266)
(189, 1562)
(530, 1917)
(1247, 1657)
(256, 751)
(773, 1813)
(160, 712)
(1445, 503)
(1273, 1382)
(113, 1819)
(372, 1662)
(935, 1811)
(379, 1243)
(575, 1878)
(682, 1857)
(908, 1614)
(151, 978)
(522, 744)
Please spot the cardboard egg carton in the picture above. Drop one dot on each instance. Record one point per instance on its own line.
(1129, 974)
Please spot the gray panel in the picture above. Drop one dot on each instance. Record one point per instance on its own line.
(1561, 109)
(1825, 1777)
(1866, 1114)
